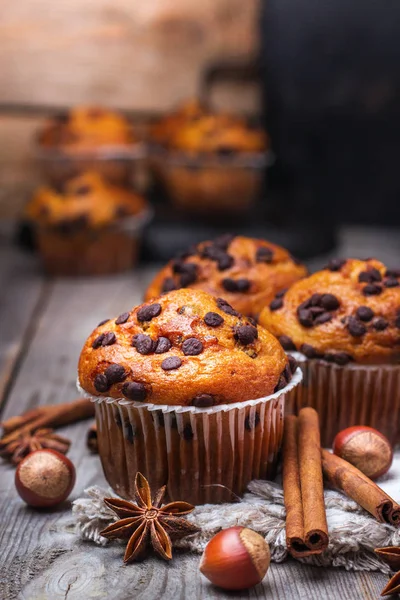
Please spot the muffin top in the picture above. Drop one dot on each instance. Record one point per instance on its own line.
(162, 130)
(349, 311)
(217, 134)
(184, 348)
(87, 200)
(246, 271)
(86, 128)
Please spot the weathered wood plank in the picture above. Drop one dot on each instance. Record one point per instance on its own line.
(21, 291)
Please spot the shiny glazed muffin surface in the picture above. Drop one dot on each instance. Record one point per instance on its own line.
(349, 311)
(246, 272)
(184, 348)
(86, 200)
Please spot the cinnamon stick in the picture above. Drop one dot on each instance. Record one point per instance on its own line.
(306, 526)
(54, 415)
(348, 479)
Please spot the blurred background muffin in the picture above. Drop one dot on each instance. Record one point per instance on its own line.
(343, 324)
(89, 226)
(209, 162)
(85, 138)
(247, 272)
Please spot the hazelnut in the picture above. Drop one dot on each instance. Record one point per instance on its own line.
(235, 559)
(44, 478)
(365, 448)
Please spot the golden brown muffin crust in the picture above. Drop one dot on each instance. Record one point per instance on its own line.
(87, 199)
(348, 311)
(86, 128)
(246, 272)
(184, 348)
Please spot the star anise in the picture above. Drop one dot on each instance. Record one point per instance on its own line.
(17, 449)
(393, 587)
(148, 522)
(391, 556)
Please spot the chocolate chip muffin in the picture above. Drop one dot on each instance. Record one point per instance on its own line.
(194, 396)
(246, 271)
(85, 138)
(90, 226)
(345, 322)
(210, 162)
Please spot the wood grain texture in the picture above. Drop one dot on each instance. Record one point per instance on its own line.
(146, 55)
(40, 557)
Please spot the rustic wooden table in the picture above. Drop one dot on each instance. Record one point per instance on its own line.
(43, 324)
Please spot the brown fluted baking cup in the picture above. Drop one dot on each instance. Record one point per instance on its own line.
(349, 395)
(203, 455)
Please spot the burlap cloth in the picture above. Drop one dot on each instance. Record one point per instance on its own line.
(353, 533)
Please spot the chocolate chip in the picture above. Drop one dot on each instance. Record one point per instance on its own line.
(316, 311)
(305, 317)
(281, 293)
(168, 285)
(115, 374)
(213, 319)
(335, 264)
(323, 318)
(226, 307)
(225, 262)
(287, 373)
(163, 345)
(369, 276)
(203, 401)
(264, 255)
(251, 421)
(224, 241)
(134, 390)
(101, 383)
(293, 364)
(341, 358)
(380, 324)
(364, 313)
(148, 312)
(103, 322)
(286, 342)
(315, 299)
(276, 304)
(122, 318)
(192, 347)
(246, 334)
(372, 290)
(143, 343)
(393, 273)
(252, 320)
(212, 252)
(305, 304)
(356, 328)
(170, 363)
(187, 432)
(235, 285)
(309, 351)
(329, 302)
(104, 339)
(187, 278)
(391, 283)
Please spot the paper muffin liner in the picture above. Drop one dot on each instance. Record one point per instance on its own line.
(202, 455)
(106, 250)
(349, 395)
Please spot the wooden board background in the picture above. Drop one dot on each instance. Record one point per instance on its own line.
(133, 55)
